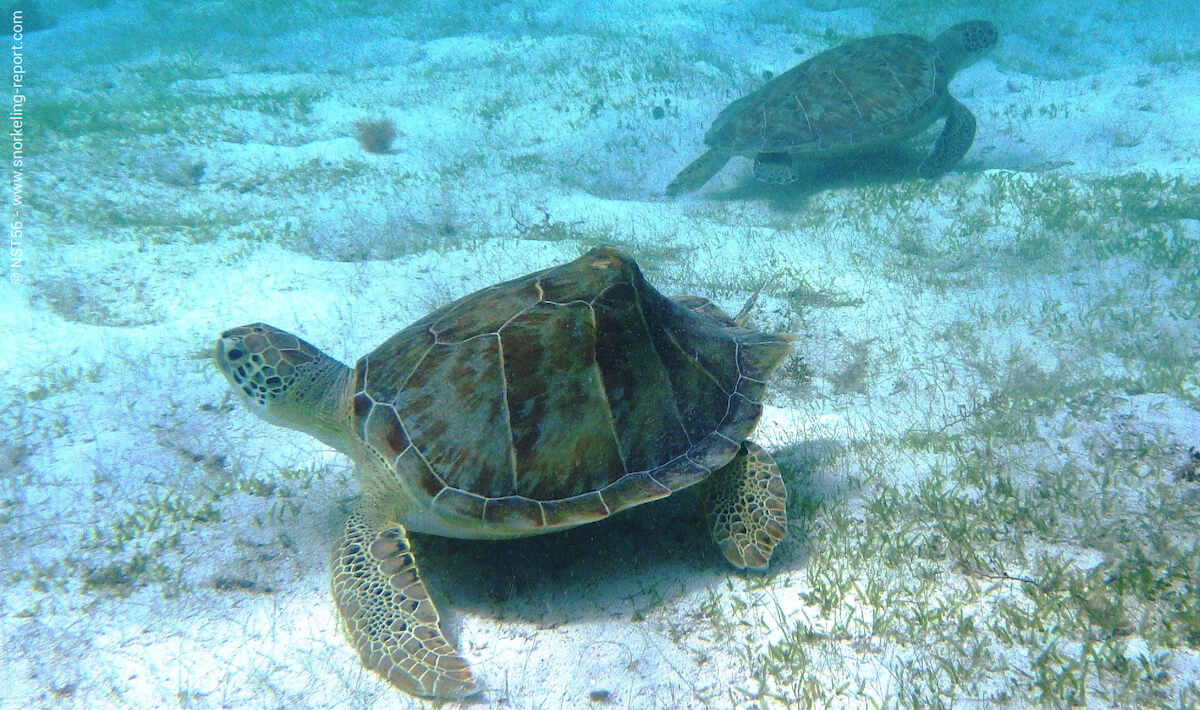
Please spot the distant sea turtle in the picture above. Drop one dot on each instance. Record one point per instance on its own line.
(536, 405)
(854, 98)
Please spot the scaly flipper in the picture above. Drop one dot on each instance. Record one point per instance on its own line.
(698, 172)
(747, 507)
(775, 169)
(957, 136)
(388, 616)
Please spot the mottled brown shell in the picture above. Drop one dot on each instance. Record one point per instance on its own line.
(562, 396)
(870, 91)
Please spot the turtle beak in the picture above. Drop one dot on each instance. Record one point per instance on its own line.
(225, 353)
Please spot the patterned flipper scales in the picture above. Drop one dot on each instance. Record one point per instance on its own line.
(747, 508)
(957, 135)
(388, 616)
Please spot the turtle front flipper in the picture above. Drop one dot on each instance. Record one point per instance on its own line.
(698, 172)
(747, 507)
(388, 616)
(775, 169)
(957, 136)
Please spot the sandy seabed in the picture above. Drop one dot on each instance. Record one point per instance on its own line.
(985, 427)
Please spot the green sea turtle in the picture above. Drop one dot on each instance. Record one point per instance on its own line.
(851, 99)
(536, 405)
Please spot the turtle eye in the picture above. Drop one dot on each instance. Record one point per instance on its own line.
(234, 354)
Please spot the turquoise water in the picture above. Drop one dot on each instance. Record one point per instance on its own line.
(984, 426)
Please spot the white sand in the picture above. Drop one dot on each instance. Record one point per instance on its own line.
(527, 135)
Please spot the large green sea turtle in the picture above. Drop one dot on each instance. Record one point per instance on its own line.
(536, 405)
(851, 99)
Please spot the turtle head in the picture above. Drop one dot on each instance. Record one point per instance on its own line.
(962, 45)
(286, 381)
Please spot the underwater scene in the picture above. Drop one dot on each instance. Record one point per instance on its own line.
(601, 354)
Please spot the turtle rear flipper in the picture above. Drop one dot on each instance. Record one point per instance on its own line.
(388, 616)
(747, 507)
(957, 136)
(698, 172)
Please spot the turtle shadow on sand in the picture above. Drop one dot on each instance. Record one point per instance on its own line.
(629, 565)
(886, 166)
(623, 566)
